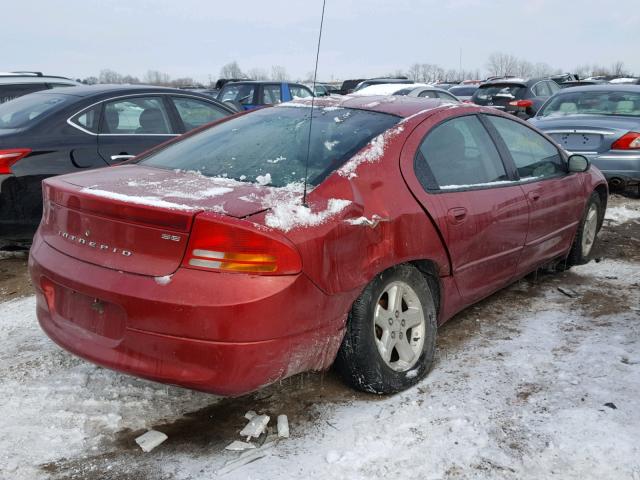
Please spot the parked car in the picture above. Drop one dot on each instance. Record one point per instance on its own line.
(349, 85)
(247, 95)
(601, 122)
(429, 92)
(578, 83)
(411, 90)
(517, 96)
(380, 81)
(463, 92)
(69, 129)
(16, 84)
(227, 279)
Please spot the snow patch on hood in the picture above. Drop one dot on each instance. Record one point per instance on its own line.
(371, 153)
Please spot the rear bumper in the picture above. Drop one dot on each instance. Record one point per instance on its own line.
(227, 334)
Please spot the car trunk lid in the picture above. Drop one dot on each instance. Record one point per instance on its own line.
(136, 219)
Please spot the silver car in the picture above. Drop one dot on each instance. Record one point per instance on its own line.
(601, 122)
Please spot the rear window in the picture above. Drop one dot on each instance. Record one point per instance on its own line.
(593, 103)
(508, 91)
(28, 109)
(9, 92)
(270, 146)
(463, 91)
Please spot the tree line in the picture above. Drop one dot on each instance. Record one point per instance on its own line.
(498, 64)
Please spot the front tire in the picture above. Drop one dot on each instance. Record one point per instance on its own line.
(389, 343)
(586, 236)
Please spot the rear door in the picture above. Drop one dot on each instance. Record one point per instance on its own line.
(554, 196)
(457, 174)
(131, 125)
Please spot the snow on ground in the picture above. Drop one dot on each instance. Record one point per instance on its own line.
(528, 384)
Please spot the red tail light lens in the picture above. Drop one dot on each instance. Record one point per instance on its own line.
(229, 245)
(11, 156)
(521, 103)
(629, 141)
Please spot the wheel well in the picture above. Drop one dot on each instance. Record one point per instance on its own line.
(602, 192)
(430, 271)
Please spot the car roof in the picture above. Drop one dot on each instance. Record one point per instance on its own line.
(260, 82)
(91, 90)
(401, 106)
(603, 87)
(525, 82)
(35, 77)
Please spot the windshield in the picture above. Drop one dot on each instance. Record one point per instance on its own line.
(487, 92)
(593, 103)
(269, 146)
(28, 109)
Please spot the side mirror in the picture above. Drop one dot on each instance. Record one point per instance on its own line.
(578, 163)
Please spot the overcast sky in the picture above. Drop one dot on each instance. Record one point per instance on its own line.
(78, 38)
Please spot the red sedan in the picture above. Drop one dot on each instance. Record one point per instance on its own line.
(204, 264)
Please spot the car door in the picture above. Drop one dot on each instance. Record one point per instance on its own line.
(554, 196)
(193, 112)
(130, 125)
(459, 177)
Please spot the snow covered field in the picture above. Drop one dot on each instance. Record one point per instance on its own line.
(530, 383)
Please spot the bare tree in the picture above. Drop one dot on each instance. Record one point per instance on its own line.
(279, 73)
(109, 76)
(414, 72)
(502, 64)
(184, 82)
(90, 80)
(583, 71)
(231, 70)
(130, 79)
(618, 70)
(155, 77)
(542, 69)
(258, 74)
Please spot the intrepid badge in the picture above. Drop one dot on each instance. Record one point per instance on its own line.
(93, 244)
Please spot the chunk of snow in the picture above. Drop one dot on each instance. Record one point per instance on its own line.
(263, 179)
(621, 214)
(283, 426)
(166, 280)
(250, 414)
(150, 440)
(256, 426)
(290, 213)
(332, 456)
(329, 145)
(239, 446)
(277, 160)
(138, 200)
(371, 153)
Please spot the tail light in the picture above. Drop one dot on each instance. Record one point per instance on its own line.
(629, 141)
(521, 103)
(229, 245)
(11, 156)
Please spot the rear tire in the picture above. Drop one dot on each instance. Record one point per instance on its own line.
(390, 340)
(587, 234)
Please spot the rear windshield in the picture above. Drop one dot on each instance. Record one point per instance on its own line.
(463, 91)
(488, 92)
(28, 109)
(270, 146)
(593, 103)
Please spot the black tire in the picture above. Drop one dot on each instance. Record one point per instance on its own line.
(359, 361)
(577, 254)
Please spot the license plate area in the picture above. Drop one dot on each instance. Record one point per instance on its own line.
(88, 313)
(578, 141)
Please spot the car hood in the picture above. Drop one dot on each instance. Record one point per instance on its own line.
(173, 190)
(587, 121)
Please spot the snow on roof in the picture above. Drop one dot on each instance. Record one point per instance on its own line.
(624, 80)
(385, 88)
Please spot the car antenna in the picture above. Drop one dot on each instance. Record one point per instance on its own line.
(313, 98)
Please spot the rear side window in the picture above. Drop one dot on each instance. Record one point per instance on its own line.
(9, 92)
(26, 110)
(269, 146)
(242, 93)
(534, 155)
(88, 119)
(459, 153)
(428, 94)
(271, 95)
(195, 113)
(139, 115)
(541, 89)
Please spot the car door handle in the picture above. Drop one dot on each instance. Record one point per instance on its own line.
(117, 158)
(457, 215)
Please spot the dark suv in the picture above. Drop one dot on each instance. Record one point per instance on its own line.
(16, 84)
(520, 97)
